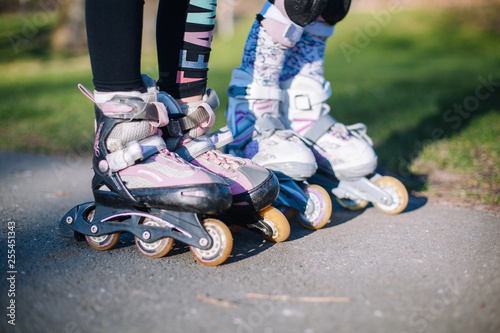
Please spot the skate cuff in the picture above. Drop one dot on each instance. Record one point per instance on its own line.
(134, 151)
(297, 99)
(320, 127)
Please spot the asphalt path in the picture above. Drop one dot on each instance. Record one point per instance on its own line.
(432, 268)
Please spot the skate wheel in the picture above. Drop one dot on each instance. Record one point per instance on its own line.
(398, 193)
(319, 208)
(221, 247)
(157, 249)
(352, 204)
(278, 222)
(104, 242)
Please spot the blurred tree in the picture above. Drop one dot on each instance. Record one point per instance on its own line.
(7, 6)
(69, 34)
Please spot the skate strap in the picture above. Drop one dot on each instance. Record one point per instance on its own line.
(291, 30)
(188, 117)
(122, 107)
(327, 123)
(320, 28)
(204, 143)
(254, 91)
(156, 113)
(266, 124)
(134, 151)
(319, 127)
(301, 100)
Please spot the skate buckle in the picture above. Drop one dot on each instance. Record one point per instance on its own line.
(174, 128)
(302, 102)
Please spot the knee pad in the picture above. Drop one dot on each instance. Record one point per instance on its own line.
(285, 19)
(335, 10)
(304, 12)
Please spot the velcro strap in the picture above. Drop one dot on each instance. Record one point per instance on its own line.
(195, 148)
(254, 91)
(265, 124)
(156, 113)
(292, 31)
(193, 119)
(299, 100)
(204, 143)
(152, 145)
(320, 127)
(134, 151)
(320, 29)
(123, 107)
(221, 137)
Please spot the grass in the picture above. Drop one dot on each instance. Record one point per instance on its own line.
(416, 80)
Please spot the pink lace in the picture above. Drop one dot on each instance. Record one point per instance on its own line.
(167, 153)
(226, 161)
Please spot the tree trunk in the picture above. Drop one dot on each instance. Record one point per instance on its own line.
(70, 34)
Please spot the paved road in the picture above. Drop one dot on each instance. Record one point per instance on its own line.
(431, 269)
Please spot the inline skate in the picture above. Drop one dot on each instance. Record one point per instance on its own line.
(142, 188)
(253, 187)
(345, 157)
(253, 117)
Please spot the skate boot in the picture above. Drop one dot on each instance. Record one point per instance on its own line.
(142, 188)
(345, 157)
(253, 187)
(253, 117)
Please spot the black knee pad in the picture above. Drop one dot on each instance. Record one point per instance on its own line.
(335, 10)
(304, 12)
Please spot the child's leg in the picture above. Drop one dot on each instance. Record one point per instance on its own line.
(345, 151)
(187, 29)
(254, 92)
(184, 37)
(114, 33)
(133, 170)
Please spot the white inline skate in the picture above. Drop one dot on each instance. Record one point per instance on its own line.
(254, 119)
(345, 157)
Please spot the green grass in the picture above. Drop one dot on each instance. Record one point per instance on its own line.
(403, 78)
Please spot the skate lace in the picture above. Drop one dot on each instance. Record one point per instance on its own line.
(173, 155)
(356, 130)
(226, 161)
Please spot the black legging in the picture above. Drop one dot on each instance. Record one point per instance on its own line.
(184, 34)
